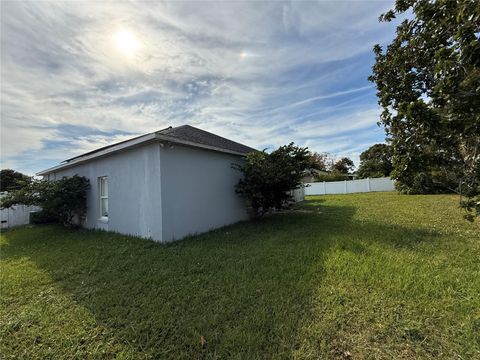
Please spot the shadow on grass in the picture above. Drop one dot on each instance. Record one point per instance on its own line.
(245, 288)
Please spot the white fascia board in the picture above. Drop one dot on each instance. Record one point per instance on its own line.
(115, 148)
(133, 143)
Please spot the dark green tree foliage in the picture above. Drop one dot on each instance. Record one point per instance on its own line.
(336, 170)
(268, 178)
(343, 166)
(11, 180)
(428, 82)
(331, 176)
(376, 161)
(64, 199)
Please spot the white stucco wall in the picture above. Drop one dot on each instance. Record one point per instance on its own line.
(163, 193)
(134, 191)
(198, 191)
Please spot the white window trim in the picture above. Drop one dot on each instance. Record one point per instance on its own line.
(101, 197)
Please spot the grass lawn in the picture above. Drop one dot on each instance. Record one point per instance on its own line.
(376, 276)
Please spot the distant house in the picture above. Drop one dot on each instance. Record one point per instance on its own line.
(163, 185)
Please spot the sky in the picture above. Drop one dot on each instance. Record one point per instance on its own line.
(76, 76)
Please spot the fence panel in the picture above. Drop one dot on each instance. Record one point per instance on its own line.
(298, 194)
(16, 215)
(350, 186)
(317, 188)
(382, 184)
(335, 187)
(357, 186)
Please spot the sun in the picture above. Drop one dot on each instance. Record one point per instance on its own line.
(127, 43)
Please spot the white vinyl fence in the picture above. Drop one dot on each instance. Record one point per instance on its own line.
(298, 194)
(350, 186)
(16, 215)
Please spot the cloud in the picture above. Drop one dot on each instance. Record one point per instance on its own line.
(263, 73)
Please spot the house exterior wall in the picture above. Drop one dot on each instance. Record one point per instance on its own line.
(134, 191)
(162, 192)
(198, 191)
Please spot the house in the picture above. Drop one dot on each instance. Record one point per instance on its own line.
(164, 185)
(352, 176)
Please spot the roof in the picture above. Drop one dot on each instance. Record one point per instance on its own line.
(202, 137)
(185, 135)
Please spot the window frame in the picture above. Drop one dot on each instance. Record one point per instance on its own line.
(102, 180)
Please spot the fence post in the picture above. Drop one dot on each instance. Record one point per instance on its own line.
(368, 185)
(324, 188)
(345, 186)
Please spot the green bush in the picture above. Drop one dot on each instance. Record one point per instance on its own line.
(268, 178)
(64, 199)
(333, 176)
(42, 217)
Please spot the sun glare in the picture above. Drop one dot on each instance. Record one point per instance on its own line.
(127, 43)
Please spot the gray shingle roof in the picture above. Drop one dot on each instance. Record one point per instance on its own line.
(187, 133)
(202, 137)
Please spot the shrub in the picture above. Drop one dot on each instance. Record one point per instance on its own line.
(42, 217)
(333, 176)
(268, 178)
(64, 199)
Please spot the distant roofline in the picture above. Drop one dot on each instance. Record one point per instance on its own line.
(129, 144)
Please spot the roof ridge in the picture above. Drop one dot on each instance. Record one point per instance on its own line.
(184, 133)
(245, 148)
(164, 129)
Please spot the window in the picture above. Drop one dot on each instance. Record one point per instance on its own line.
(103, 186)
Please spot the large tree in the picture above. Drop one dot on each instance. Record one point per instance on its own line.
(428, 82)
(343, 166)
(321, 161)
(376, 161)
(11, 180)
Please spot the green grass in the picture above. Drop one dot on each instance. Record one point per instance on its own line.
(377, 276)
